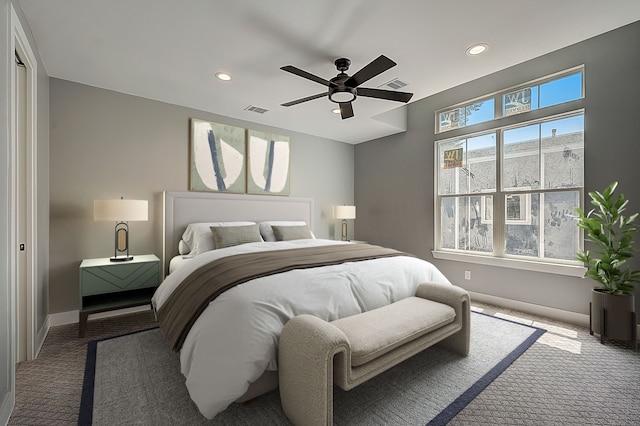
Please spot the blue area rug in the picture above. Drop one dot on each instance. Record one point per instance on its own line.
(135, 379)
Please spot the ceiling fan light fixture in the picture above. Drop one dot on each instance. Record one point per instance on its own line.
(342, 94)
(223, 76)
(477, 49)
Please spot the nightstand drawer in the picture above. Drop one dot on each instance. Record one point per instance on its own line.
(106, 285)
(111, 278)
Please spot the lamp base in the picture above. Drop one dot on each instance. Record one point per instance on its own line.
(120, 258)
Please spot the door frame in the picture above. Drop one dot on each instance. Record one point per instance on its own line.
(20, 43)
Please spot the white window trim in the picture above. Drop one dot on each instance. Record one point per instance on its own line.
(572, 269)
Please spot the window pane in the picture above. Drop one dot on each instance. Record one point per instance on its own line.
(561, 90)
(481, 163)
(481, 224)
(521, 159)
(448, 228)
(522, 230)
(480, 112)
(448, 223)
(466, 223)
(561, 235)
(451, 179)
(467, 165)
(563, 152)
(451, 119)
(473, 113)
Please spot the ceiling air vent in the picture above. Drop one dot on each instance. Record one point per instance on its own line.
(394, 84)
(256, 109)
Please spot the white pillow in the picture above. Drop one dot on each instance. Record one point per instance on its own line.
(199, 239)
(267, 232)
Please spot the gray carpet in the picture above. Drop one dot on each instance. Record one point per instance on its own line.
(137, 381)
(48, 388)
(566, 378)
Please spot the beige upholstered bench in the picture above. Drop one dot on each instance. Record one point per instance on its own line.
(313, 353)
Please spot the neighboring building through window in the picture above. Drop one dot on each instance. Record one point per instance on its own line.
(510, 192)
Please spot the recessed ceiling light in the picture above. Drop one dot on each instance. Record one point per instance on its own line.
(223, 76)
(477, 49)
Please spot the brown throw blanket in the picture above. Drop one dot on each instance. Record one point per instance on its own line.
(181, 309)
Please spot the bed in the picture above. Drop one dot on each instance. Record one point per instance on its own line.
(229, 351)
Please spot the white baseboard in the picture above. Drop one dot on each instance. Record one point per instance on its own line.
(42, 335)
(544, 311)
(71, 317)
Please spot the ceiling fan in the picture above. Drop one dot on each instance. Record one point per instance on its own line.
(344, 89)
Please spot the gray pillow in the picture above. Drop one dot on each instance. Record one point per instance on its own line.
(286, 233)
(227, 236)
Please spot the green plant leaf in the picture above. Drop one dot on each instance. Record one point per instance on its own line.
(611, 233)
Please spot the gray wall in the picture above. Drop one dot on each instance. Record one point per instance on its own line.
(41, 249)
(401, 166)
(107, 144)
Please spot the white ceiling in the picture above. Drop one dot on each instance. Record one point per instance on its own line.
(169, 50)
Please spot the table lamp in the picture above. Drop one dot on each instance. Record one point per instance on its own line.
(121, 211)
(344, 213)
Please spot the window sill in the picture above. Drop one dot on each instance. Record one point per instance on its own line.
(549, 268)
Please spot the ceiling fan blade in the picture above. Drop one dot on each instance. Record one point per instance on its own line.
(375, 67)
(346, 110)
(308, 98)
(384, 94)
(304, 74)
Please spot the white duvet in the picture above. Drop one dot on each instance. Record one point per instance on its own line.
(235, 339)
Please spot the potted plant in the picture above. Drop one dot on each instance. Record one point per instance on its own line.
(612, 310)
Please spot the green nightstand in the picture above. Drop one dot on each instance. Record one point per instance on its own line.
(106, 285)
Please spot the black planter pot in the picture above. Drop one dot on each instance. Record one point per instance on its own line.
(613, 316)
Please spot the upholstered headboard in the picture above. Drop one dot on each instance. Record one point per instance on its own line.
(183, 208)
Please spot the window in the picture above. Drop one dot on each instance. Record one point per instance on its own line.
(510, 192)
(554, 92)
(550, 91)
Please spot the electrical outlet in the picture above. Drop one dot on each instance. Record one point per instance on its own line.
(467, 275)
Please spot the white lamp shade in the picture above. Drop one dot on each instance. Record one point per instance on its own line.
(121, 210)
(344, 212)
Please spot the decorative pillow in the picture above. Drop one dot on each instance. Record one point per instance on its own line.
(286, 233)
(267, 232)
(227, 236)
(198, 238)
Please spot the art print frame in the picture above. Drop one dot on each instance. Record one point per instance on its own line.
(217, 157)
(268, 163)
